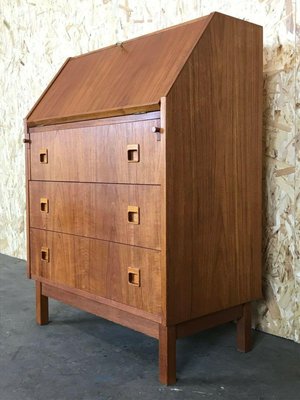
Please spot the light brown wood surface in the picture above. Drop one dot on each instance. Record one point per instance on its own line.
(141, 116)
(244, 334)
(167, 354)
(42, 307)
(120, 78)
(98, 154)
(98, 267)
(114, 314)
(152, 220)
(214, 173)
(209, 321)
(164, 205)
(98, 211)
(27, 142)
(99, 299)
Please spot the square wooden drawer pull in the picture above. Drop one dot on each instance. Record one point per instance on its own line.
(45, 256)
(134, 276)
(44, 205)
(133, 215)
(44, 156)
(133, 152)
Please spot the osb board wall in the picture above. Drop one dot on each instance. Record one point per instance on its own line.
(37, 36)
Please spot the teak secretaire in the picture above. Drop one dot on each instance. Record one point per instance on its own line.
(144, 170)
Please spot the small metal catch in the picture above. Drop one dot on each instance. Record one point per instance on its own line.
(157, 130)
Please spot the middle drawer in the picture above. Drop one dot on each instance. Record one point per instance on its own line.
(121, 213)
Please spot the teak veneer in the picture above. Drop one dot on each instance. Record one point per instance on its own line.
(144, 170)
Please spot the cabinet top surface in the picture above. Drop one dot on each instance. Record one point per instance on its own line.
(118, 79)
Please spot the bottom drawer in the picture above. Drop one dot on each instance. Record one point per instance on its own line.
(126, 274)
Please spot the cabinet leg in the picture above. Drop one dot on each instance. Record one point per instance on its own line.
(244, 336)
(167, 354)
(42, 313)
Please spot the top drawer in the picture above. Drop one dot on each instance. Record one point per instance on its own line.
(126, 152)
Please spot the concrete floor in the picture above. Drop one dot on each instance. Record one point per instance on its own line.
(81, 357)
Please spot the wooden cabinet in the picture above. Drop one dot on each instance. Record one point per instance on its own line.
(144, 182)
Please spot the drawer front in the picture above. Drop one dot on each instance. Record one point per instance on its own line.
(117, 153)
(126, 274)
(120, 213)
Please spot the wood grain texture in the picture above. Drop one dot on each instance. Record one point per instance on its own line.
(214, 173)
(46, 90)
(98, 211)
(98, 122)
(42, 307)
(98, 267)
(177, 207)
(118, 78)
(98, 154)
(113, 314)
(244, 329)
(163, 205)
(167, 355)
(209, 321)
(111, 113)
(100, 299)
(27, 146)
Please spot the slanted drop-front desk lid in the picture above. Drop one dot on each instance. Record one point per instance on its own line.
(121, 79)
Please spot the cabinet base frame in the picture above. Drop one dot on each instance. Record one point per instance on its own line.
(167, 335)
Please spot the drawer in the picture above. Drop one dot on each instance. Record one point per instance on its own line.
(126, 274)
(120, 213)
(121, 153)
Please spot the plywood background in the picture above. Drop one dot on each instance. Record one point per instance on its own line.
(37, 36)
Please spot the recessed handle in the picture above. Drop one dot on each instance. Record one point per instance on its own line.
(133, 153)
(44, 156)
(45, 254)
(133, 215)
(44, 205)
(134, 276)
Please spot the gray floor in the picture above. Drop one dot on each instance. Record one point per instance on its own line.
(80, 356)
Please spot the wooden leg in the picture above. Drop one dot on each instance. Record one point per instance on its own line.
(42, 313)
(244, 339)
(167, 354)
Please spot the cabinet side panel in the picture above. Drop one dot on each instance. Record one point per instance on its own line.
(214, 173)
(27, 178)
